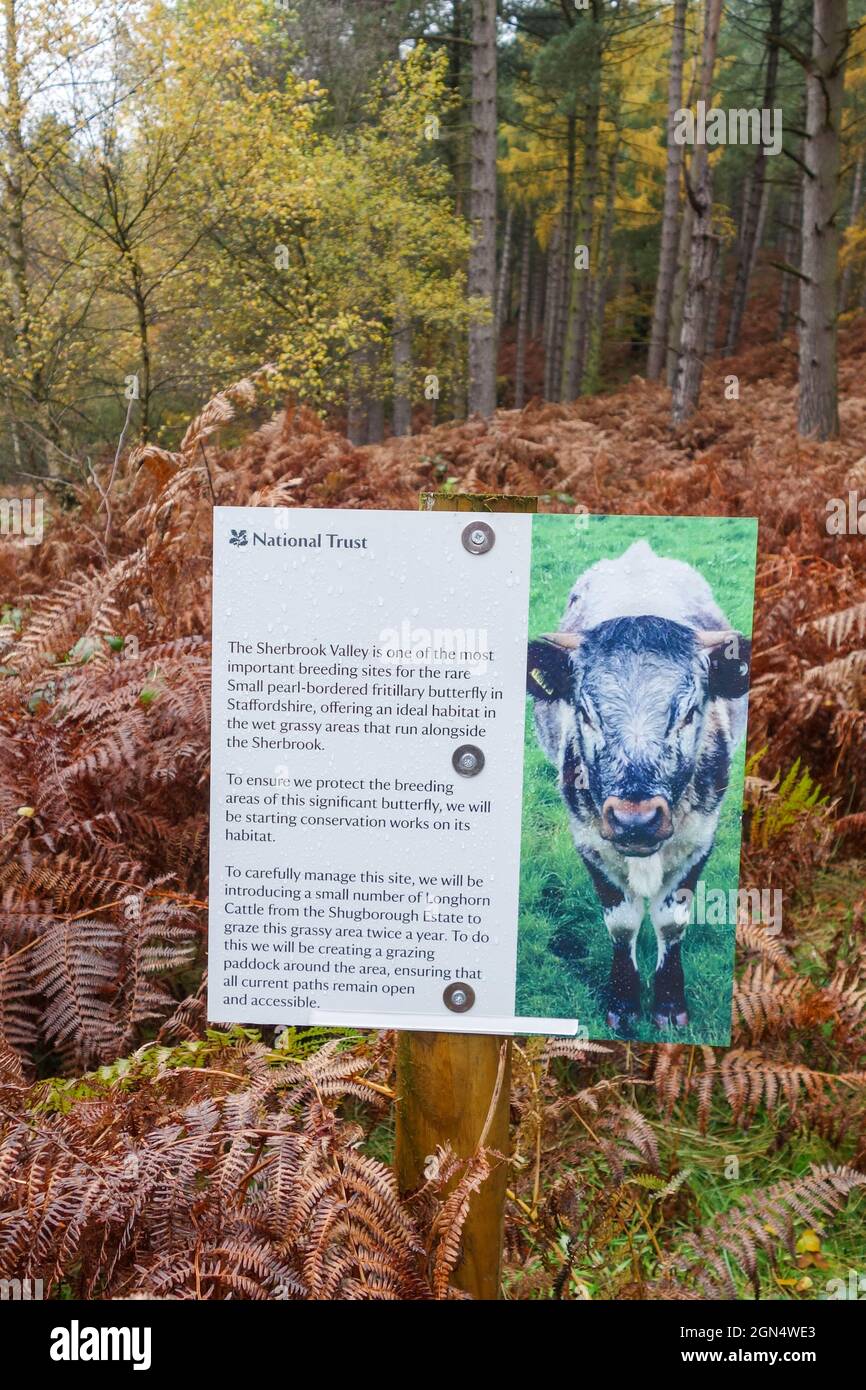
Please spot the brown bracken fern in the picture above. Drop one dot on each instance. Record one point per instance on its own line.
(142, 1152)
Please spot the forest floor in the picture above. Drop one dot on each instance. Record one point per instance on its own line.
(163, 1156)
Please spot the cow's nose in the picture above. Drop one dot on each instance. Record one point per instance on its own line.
(638, 824)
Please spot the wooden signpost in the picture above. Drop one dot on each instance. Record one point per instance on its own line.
(454, 1087)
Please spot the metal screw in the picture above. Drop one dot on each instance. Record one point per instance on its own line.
(467, 760)
(459, 997)
(478, 538)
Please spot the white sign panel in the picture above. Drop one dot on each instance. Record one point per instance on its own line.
(368, 715)
(478, 773)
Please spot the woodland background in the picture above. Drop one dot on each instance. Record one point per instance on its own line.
(381, 202)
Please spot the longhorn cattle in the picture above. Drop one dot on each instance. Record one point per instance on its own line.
(640, 698)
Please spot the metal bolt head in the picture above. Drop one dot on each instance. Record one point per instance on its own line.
(459, 997)
(478, 538)
(467, 760)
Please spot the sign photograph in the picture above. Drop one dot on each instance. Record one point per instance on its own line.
(638, 675)
(458, 759)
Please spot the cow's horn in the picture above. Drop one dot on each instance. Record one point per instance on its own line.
(715, 637)
(564, 639)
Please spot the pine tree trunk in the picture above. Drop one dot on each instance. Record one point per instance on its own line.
(755, 200)
(713, 307)
(458, 141)
(504, 273)
(566, 263)
(13, 181)
(577, 345)
(678, 299)
(523, 316)
(143, 327)
(18, 286)
(790, 255)
(551, 308)
(687, 388)
(704, 248)
(538, 275)
(819, 405)
(853, 214)
(759, 230)
(591, 376)
(356, 403)
(670, 209)
(620, 284)
(402, 362)
(482, 255)
(459, 144)
(375, 420)
(791, 240)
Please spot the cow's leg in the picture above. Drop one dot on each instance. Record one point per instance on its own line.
(623, 997)
(622, 917)
(670, 916)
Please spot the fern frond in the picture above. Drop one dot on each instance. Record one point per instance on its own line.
(757, 1225)
(838, 628)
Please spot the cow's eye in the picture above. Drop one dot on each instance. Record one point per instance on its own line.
(585, 716)
(690, 717)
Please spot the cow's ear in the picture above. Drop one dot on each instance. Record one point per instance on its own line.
(548, 666)
(730, 663)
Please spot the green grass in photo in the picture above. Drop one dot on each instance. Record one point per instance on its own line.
(563, 947)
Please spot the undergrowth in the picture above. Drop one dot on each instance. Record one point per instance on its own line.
(145, 1152)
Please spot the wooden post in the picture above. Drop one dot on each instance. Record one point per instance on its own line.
(454, 1087)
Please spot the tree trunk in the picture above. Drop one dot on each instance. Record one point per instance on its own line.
(482, 255)
(538, 280)
(551, 307)
(755, 200)
(566, 263)
(853, 213)
(523, 316)
(504, 273)
(759, 230)
(713, 306)
(17, 281)
(356, 405)
(457, 143)
(376, 420)
(143, 326)
(687, 387)
(681, 285)
(791, 240)
(670, 208)
(791, 255)
(402, 360)
(598, 298)
(577, 345)
(619, 292)
(13, 180)
(825, 77)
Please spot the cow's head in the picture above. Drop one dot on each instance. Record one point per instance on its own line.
(638, 690)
